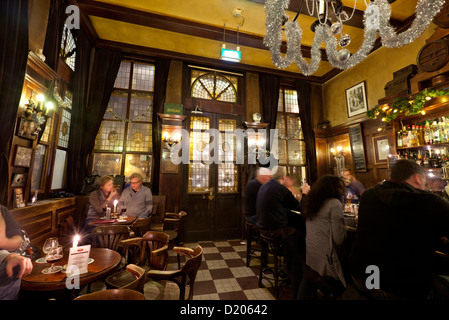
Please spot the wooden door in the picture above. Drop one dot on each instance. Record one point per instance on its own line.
(212, 194)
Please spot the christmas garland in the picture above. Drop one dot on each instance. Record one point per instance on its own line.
(399, 106)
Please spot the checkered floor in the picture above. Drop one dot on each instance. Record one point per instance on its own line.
(223, 274)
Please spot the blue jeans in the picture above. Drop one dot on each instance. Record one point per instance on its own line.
(9, 287)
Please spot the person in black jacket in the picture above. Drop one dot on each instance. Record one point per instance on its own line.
(399, 227)
(275, 219)
(251, 190)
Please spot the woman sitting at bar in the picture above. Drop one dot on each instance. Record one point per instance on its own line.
(104, 196)
(324, 232)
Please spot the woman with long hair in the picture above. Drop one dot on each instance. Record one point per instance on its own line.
(325, 231)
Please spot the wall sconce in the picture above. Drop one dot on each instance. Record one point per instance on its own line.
(171, 139)
(38, 111)
(256, 143)
(339, 160)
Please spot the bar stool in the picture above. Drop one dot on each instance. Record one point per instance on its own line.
(252, 234)
(271, 244)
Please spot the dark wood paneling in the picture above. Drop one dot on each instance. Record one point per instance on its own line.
(42, 220)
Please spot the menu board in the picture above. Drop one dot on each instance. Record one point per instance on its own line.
(358, 151)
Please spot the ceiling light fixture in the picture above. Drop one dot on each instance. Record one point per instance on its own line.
(376, 19)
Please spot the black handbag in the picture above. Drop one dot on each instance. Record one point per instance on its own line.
(90, 184)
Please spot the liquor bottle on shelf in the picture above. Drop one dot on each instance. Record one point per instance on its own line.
(421, 141)
(409, 137)
(399, 142)
(435, 132)
(427, 133)
(425, 160)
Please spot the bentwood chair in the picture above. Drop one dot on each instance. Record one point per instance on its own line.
(173, 224)
(164, 285)
(112, 294)
(111, 237)
(153, 247)
(141, 226)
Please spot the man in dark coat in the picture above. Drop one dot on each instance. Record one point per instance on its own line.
(399, 227)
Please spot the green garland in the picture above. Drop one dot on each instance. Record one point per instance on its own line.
(403, 106)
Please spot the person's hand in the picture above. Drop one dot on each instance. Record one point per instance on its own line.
(305, 188)
(112, 194)
(13, 260)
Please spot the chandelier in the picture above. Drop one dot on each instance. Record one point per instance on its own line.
(376, 21)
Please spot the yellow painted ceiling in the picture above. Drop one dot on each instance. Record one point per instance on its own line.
(219, 13)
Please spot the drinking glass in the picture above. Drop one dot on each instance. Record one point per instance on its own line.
(54, 254)
(50, 242)
(124, 211)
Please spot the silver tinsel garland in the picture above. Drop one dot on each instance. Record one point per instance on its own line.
(376, 21)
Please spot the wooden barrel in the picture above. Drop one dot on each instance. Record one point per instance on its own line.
(434, 55)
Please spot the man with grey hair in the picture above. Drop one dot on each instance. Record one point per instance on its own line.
(400, 226)
(251, 190)
(137, 198)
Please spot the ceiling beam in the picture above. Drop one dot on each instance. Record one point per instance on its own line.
(217, 63)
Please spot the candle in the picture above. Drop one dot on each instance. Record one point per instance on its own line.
(75, 241)
(115, 205)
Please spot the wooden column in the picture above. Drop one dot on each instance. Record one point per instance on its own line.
(170, 175)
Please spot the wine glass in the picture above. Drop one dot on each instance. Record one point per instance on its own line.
(123, 211)
(54, 254)
(50, 242)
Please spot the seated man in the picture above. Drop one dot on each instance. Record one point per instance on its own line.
(275, 219)
(12, 266)
(399, 227)
(251, 190)
(137, 198)
(353, 186)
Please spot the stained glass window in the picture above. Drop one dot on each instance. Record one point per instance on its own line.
(214, 86)
(126, 129)
(291, 145)
(68, 48)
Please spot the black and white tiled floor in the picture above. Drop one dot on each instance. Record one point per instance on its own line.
(223, 274)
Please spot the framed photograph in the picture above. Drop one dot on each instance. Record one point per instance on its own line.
(356, 99)
(18, 198)
(19, 180)
(381, 149)
(27, 129)
(23, 157)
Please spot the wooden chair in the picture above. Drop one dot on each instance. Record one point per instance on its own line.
(141, 226)
(112, 294)
(183, 278)
(173, 224)
(153, 247)
(111, 237)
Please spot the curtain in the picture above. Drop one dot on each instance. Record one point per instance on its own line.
(55, 27)
(160, 85)
(269, 88)
(97, 93)
(303, 89)
(76, 164)
(13, 62)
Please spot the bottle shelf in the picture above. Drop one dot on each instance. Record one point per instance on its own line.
(434, 145)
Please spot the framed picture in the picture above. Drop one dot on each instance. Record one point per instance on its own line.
(27, 129)
(356, 99)
(381, 149)
(357, 148)
(23, 157)
(18, 198)
(19, 180)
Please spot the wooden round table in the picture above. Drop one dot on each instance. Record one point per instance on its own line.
(105, 260)
(107, 222)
